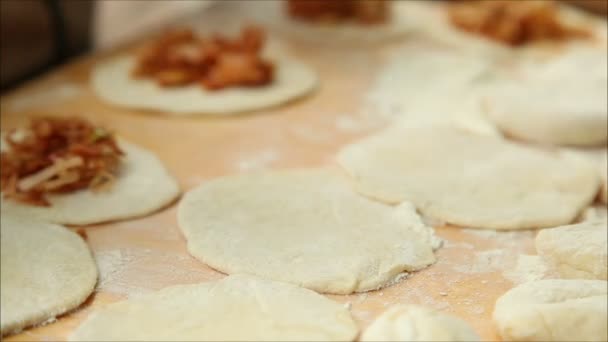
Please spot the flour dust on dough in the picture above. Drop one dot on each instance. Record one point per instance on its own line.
(417, 323)
(471, 180)
(142, 186)
(112, 82)
(236, 308)
(577, 251)
(306, 227)
(553, 310)
(47, 270)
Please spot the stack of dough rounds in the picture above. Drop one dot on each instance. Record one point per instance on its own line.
(237, 308)
(142, 186)
(470, 180)
(578, 251)
(47, 270)
(417, 323)
(554, 310)
(306, 227)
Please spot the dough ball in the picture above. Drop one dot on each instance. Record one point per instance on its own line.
(553, 310)
(417, 323)
(236, 308)
(306, 227)
(47, 270)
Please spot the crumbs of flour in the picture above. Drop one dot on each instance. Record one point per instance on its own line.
(257, 161)
(528, 268)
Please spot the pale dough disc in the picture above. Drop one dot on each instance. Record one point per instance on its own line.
(47, 270)
(417, 323)
(553, 310)
(112, 82)
(236, 308)
(561, 101)
(577, 251)
(142, 186)
(600, 158)
(305, 227)
(471, 180)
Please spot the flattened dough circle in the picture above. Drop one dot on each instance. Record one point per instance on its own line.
(470, 180)
(305, 227)
(553, 310)
(112, 82)
(236, 308)
(143, 186)
(47, 270)
(417, 323)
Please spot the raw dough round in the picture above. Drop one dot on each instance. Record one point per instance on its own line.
(417, 323)
(237, 308)
(306, 227)
(113, 83)
(553, 310)
(142, 187)
(47, 270)
(470, 180)
(577, 251)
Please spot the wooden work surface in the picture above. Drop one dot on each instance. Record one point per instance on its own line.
(147, 254)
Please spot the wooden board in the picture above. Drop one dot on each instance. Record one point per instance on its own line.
(147, 254)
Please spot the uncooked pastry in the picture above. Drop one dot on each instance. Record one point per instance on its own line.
(112, 82)
(47, 270)
(142, 187)
(577, 251)
(236, 308)
(306, 227)
(470, 180)
(417, 323)
(553, 310)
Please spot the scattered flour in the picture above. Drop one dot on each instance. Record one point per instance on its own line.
(484, 262)
(529, 268)
(45, 97)
(257, 161)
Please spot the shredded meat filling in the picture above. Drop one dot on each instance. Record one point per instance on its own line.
(513, 23)
(57, 155)
(180, 58)
(362, 11)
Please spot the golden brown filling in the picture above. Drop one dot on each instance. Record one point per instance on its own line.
(57, 155)
(361, 11)
(180, 58)
(513, 23)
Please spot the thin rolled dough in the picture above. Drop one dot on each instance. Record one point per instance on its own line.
(286, 226)
(577, 251)
(470, 180)
(236, 308)
(47, 270)
(112, 82)
(143, 186)
(553, 310)
(417, 323)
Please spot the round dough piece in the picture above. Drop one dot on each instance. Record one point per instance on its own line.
(578, 251)
(417, 323)
(471, 180)
(47, 270)
(236, 308)
(305, 227)
(553, 310)
(143, 186)
(112, 82)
